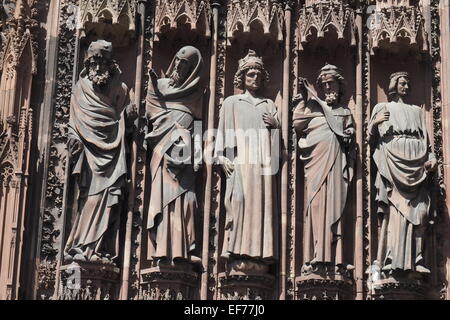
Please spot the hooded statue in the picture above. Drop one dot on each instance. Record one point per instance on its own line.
(172, 105)
(97, 153)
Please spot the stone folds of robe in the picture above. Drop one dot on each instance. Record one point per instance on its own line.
(250, 196)
(328, 173)
(403, 190)
(98, 121)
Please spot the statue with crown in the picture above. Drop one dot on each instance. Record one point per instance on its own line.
(247, 147)
(325, 127)
(405, 168)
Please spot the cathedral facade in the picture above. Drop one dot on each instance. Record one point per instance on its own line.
(224, 149)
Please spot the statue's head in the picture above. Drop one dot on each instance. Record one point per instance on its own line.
(186, 63)
(99, 65)
(251, 74)
(332, 84)
(399, 85)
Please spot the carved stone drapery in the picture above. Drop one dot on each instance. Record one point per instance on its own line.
(392, 23)
(52, 165)
(195, 13)
(242, 15)
(324, 16)
(109, 19)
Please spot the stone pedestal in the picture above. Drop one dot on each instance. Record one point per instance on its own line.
(325, 282)
(246, 280)
(89, 281)
(170, 283)
(392, 289)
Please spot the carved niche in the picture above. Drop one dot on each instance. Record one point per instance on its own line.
(113, 20)
(323, 16)
(194, 13)
(265, 14)
(393, 21)
(17, 34)
(17, 67)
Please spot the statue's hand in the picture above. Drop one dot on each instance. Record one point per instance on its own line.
(270, 121)
(74, 147)
(297, 99)
(431, 165)
(381, 117)
(350, 132)
(153, 77)
(228, 166)
(132, 112)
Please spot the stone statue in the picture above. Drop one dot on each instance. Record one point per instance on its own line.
(245, 147)
(328, 152)
(172, 105)
(402, 155)
(99, 109)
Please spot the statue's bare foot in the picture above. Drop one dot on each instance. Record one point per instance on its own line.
(422, 269)
(79, 257)
(96, 258)
(196, 260)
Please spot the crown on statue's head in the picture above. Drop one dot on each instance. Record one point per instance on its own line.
(251, 60)
(399, 74)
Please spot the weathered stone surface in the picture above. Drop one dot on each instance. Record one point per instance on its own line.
(201, 244)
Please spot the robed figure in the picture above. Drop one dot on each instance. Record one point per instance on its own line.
(97, 153)
(247, 147)
(173, 102)
(405, 164)
(327, 149)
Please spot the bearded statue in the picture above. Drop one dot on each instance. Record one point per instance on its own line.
(326, 131)
(99, 109)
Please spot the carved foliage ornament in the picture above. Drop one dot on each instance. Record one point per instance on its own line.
(244, 14)
(196, 13)
(323, 16)
(394, 23)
